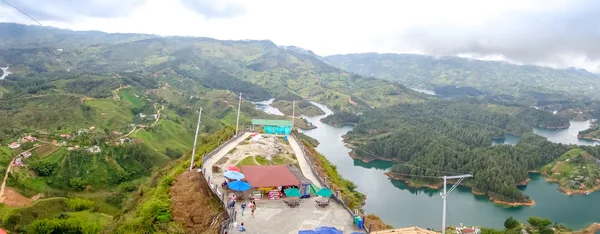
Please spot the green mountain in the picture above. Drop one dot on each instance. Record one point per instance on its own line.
(116, 111)
(434, 137)
(498, 78)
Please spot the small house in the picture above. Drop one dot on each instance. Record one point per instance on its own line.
(116, 132)
(280, 127)
(14, 145)
(27, 154)
(28, 139)
(94, 149)
(582, 185)
(142, 115)
(92, 128)
(67, 136)
(155, 116)
(18, 162)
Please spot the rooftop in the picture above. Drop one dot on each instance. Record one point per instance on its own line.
(272, 122)
(269, 176)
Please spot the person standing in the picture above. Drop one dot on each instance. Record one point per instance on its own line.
(243, 207)
(253, 209)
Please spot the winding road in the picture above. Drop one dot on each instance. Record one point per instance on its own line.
(8, 171)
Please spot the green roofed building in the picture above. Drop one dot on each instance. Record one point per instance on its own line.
(272, 126)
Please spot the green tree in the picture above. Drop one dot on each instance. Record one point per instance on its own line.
(511, 223)
(538, 222)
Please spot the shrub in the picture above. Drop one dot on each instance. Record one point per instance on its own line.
(115, 199)
(79, 204)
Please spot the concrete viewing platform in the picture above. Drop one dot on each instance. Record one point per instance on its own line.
(274, 216)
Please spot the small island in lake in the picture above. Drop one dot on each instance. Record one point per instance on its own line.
(576, 171)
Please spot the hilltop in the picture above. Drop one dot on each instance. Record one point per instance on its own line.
(498, 78)
(112, 114)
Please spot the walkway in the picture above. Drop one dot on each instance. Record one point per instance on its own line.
(272, 216)
(304, 164)
(210, 162)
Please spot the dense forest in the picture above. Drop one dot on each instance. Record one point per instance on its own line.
(455, 137)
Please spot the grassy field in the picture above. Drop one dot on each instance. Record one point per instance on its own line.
(5, 158)
(248, 161)
(166, 134)
(128, 95)
(46, 150)
(26, 182)
(56, 156)
(110, 114)
(18, 218)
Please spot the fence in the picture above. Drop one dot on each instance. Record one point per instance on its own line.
(231, 213)
(337, 195)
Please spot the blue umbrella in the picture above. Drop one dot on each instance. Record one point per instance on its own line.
(239, 186)
(234, 175)
(322, 230)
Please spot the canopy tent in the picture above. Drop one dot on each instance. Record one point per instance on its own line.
(321, 230)
(234, 175)
(292, 192)
(269, 176)
(233, 168)
(324, 192)
(239, 186)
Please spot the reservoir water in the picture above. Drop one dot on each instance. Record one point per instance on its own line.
(5, 72)
(402, 206)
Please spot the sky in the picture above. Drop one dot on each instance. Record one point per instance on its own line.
(554, 33)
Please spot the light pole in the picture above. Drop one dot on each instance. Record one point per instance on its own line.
(293, 110)
(195, 140)
(445, 195)
(237, 122)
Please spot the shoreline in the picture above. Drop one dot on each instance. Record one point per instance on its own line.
(572, 191)
(338, 125)
(588, 138)
(475, 192)
(355, 156)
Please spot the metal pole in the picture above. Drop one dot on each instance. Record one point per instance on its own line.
(293, 112)
(195, 139)
(446, 193)
(444, 207)
(237, 122)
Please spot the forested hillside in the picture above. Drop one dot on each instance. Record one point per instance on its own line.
(499, 78)
(109, 112)
(455, 136)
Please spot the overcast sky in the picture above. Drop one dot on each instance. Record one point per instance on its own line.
(556, 33)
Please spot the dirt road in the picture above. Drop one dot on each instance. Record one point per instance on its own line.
(8, 171)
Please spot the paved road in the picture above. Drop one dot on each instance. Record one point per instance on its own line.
(209, 163)
(304, 165)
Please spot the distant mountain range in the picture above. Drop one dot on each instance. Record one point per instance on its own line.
(500, 78)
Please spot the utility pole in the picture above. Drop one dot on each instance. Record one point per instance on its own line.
(237, 122)
(293, 110)
(445, 195)
(195, 140)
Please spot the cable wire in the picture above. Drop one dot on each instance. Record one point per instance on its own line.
(7, 3)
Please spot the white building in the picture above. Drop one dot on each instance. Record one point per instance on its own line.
(94, 149)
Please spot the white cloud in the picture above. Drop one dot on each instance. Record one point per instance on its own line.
(386, 26)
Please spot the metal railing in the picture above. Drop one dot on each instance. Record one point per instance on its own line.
(231, 213)
(337, 195)
(222, 145)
